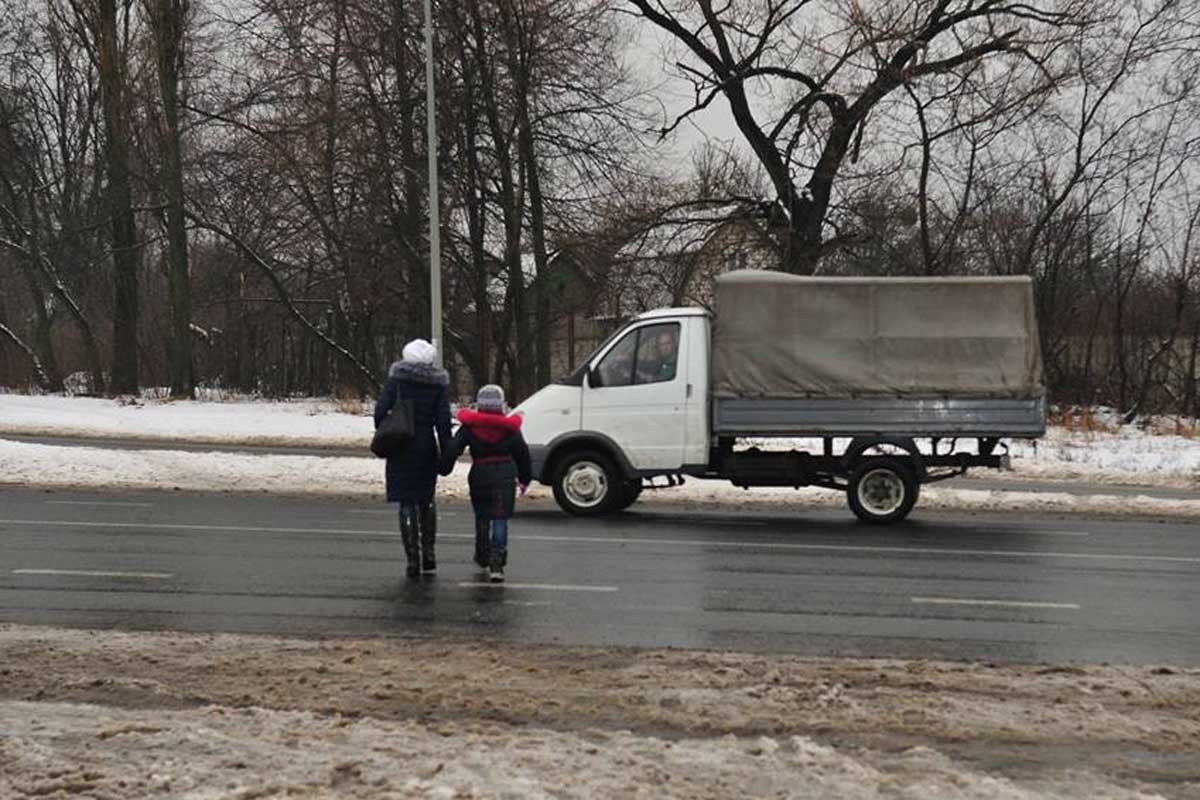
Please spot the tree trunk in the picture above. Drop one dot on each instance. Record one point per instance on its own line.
(168, 20)
(114, 99)
(537, 212)
(1189, 397)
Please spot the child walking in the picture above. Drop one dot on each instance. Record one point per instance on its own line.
(499, 462)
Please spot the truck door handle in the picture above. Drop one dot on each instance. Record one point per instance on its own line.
(689, 391)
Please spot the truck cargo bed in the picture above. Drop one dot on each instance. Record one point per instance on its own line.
(880, 416)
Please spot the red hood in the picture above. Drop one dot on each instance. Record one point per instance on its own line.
(490, 427)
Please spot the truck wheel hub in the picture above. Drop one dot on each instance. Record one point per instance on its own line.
(586, 484)
(881, 491)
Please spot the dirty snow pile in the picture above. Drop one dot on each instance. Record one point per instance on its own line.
(131, 715)
(243, 753)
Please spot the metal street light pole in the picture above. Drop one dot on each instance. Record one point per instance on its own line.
(435, 233)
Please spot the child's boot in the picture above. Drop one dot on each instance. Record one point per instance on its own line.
(482, 535)
(499, 550)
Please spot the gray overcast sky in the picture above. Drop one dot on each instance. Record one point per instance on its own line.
(651, 54)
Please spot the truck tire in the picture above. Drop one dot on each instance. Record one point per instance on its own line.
(587, 484)
(630, 492)
(882, 490)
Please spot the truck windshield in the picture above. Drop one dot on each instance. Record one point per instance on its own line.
(575, 378)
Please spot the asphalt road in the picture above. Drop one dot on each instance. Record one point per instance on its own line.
(1001, 588)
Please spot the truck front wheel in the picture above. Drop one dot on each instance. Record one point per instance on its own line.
(587, 484)
(882, 490)
(630, 492)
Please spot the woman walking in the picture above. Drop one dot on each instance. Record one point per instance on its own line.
(412, 474)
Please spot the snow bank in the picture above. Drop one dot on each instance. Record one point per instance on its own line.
(62, 749)
(53, 466)
(1127, 455)
(1130, 455)
(133, 715)
(301, 422)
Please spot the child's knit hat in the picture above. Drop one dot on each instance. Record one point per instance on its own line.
(490, 398)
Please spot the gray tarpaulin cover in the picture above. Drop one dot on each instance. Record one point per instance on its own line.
(784, 336)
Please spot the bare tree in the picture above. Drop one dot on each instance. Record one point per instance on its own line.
(837, 74)
(49, 191)
(168, 21)
(103, 26)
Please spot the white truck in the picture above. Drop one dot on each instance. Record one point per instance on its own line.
(888, 383)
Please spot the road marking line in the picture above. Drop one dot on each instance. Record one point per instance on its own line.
(391, 512)
(856, 548)
(87, 573)
(552, 587)
(533, 537)
(957, 601)
(1002, 532)
(171, 526)
(97, 503)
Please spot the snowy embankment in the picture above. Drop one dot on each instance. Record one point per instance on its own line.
(51, 466)
(1128, 456)
(139, 715)
(250, 422)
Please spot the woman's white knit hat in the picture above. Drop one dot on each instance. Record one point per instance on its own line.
(419, 351)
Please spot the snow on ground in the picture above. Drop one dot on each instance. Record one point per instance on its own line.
(257, 753)
(300, 422)
(141, 715)
(1126, 455)
(52, 466)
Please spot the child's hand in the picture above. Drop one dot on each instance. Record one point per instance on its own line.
(524, 487)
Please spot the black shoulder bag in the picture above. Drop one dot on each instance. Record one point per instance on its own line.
(396, 431)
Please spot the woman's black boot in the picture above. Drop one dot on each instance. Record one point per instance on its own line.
(408, 536)
(428, 535)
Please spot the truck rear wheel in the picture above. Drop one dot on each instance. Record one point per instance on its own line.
(587, 484)
(882, 490)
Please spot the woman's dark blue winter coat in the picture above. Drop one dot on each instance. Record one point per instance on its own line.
(412, 475)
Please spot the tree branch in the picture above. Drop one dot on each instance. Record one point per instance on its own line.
(281, 291)
(38, 371)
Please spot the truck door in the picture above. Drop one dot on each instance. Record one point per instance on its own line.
(636, 395)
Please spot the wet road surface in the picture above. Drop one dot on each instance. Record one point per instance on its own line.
(1006, 588)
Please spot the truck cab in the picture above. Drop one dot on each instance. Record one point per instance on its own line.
(636, 408)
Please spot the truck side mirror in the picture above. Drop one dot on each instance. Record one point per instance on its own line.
(594, 379)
